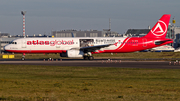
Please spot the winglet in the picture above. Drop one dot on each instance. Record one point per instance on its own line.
(160, 28)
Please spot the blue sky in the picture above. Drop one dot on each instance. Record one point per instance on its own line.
(43, 16)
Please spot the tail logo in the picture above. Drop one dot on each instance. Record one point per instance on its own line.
(160, 29)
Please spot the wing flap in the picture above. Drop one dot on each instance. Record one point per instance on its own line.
(94, 48)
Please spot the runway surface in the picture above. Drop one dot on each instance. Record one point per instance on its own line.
(99, 63)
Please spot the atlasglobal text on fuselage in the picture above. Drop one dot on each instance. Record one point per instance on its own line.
(51, 43)
(86, 46)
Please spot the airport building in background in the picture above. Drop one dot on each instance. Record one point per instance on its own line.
(176, 37)
(86, 33)
(136, 32)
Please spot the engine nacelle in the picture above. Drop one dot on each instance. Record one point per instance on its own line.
(72, 54)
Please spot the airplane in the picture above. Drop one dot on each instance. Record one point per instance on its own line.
(164, 48)
(86, 46)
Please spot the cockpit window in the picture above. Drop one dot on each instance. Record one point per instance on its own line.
(13, 42)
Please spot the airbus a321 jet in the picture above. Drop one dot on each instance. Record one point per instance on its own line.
(86, 46)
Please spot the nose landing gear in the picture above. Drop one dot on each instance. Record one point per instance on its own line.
(23, 57)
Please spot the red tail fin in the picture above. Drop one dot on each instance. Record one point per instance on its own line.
(160, 28)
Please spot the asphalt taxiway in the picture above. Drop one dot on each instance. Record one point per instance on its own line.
(99, 63)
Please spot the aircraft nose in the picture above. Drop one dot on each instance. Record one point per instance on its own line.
(6, 47)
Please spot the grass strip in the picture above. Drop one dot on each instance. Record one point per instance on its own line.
(25, 82)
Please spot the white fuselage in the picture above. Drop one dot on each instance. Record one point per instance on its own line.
(57, 45)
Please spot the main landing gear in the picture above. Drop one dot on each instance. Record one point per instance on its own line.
(88, 56)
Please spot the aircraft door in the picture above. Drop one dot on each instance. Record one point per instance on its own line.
(23, 43)
(58, 44)
(144, 42)
(86, 42)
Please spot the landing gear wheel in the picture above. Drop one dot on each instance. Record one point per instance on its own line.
(91, 58)
(23, 58)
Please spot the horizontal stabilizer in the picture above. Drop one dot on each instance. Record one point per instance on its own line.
(161, 42)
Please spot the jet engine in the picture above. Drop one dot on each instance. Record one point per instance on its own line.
(72, 54)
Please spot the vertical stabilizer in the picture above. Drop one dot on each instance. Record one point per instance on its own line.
(160, 28)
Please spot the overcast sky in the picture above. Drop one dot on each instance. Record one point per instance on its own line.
(43, 16)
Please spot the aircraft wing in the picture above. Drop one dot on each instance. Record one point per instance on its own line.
(94, 48)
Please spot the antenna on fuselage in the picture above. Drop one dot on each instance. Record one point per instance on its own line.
(23, 13)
